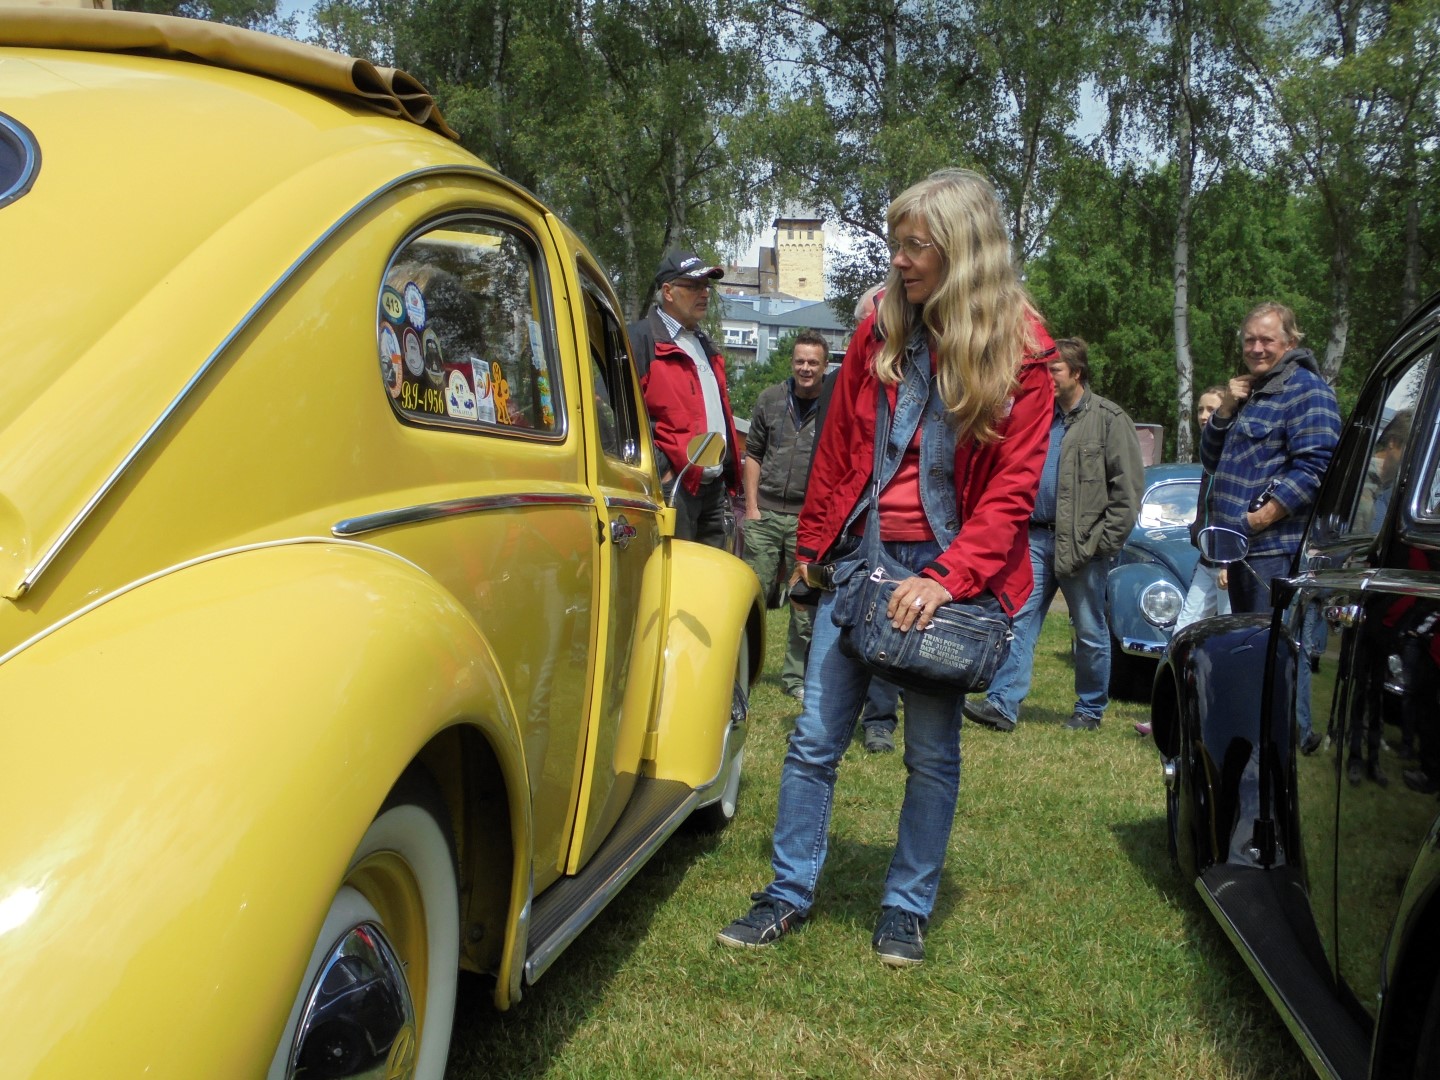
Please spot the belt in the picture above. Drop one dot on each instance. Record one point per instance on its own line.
(1050, 525)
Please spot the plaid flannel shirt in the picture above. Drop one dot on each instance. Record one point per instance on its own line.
(1282, 439)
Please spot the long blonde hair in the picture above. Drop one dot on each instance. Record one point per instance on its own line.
(979, 314)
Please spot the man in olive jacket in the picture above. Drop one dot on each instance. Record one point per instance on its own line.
(1085, 507)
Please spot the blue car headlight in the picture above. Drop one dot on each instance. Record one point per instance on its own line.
(1160, 603)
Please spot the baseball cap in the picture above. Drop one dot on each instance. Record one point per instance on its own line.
(685, 264)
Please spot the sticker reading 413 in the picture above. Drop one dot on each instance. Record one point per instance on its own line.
(392, 305)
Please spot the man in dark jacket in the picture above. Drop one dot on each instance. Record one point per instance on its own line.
(1088, 499)
(682, 377)
(778, 449)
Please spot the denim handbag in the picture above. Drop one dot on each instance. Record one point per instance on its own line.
(961, 649)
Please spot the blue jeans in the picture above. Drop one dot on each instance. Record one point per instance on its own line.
(835, 690)
(1084, 593)
(1250, 581)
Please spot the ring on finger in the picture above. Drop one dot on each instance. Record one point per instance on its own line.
(919, 602)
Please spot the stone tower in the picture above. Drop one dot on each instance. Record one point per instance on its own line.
(800, 253)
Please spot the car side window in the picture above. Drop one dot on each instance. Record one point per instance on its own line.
(465, 331)
(1169, 505)
(614, 387)
(1389, 433)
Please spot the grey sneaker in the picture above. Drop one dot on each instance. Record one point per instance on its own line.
(1081, 722)
(798, 693)
(981, 711)
(900, 938)
(765, 923)
(879, 739)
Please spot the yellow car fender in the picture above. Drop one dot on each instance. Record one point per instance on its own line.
(192, 763)
(714, 599)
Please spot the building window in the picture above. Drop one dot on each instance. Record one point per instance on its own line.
(789, 234)
(810, 234)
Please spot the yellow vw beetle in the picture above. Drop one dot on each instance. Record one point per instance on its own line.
(344, 640)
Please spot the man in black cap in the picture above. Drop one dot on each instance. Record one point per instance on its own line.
(682, 376)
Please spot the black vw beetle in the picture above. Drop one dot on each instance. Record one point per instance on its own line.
(1302, 750)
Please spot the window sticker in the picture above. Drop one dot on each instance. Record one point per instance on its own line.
(537, 346)
(463, 324)
(414, 358)
(390, 360)
(434, 360)
(392, 305)
(460, 401)
(415, 305)
(484, 391)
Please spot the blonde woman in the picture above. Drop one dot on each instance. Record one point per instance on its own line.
(959, 353)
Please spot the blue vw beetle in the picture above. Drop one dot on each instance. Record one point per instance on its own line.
(1148, 584)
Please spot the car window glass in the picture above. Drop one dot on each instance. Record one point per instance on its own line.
(1167, 506)
(464, 331)
(610, 361)
(1389, 432)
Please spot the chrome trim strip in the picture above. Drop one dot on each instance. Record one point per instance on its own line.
(167, 571)
(411, 515)
(33, 574)
(536, 964)
(615, 502)
(1135, 646)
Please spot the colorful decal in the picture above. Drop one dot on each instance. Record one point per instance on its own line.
(537, 348)
(502, 394)
(547, 410)
(392, 305)
(414, 357)
(415, 305)
(484, 390)
(417, 398)
(434, 359)
(391, 364)
(459, 399)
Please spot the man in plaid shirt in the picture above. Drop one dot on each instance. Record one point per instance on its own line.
(1268, 445)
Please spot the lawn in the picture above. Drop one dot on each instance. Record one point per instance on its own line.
(1063, 945)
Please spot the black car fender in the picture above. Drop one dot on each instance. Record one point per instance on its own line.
(1205, 716)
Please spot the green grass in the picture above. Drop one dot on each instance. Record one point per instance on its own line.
(1063, 943)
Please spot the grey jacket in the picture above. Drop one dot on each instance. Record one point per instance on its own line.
(782, 447)
(1100, 484)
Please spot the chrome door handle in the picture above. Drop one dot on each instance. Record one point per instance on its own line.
(622, 532)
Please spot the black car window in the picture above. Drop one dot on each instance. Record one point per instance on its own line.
(19, 159)
(465, 334)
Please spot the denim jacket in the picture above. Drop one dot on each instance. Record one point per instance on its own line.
(977, 498)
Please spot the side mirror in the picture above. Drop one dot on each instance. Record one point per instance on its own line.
(702, 452)
(1221, 545)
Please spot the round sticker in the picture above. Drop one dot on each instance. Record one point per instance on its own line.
(415, 305)
(392, 305)
(434, 359)
(414, 358)
(390, 359)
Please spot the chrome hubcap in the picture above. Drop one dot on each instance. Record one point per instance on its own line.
(358, 1021)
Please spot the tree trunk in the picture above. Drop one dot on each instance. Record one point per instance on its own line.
(1185, 158)
(1339, 303)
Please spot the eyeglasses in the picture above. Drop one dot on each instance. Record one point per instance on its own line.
(912, 247)
(686, 283)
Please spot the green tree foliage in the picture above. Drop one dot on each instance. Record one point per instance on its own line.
(619, 113)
